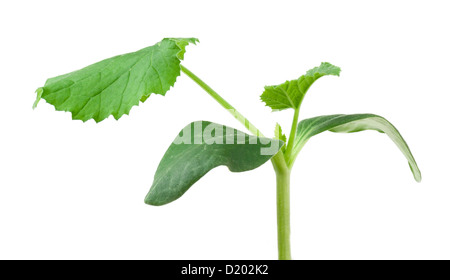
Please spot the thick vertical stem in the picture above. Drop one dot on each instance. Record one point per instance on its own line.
(283, 215)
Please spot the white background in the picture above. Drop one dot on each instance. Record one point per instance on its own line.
(73, 190)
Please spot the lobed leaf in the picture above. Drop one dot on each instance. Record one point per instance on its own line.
(114, 85)
(353, 123)
(200, 147)
(291, 93)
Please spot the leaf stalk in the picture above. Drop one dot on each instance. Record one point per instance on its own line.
(248, 125)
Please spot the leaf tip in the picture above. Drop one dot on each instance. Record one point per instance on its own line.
(280, 136)
(152, 200)
(39, 93)
(330, 69)
(416, 172)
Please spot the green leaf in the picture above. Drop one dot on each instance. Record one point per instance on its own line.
(353, 123)
(280, 136)
(39, 92)
(291, 93)
(113, 86)
(200, 147)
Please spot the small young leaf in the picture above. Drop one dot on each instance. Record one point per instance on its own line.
(200, 147)
(353, 123)
(280, 136)
(39, 92)
(290, 94)
(113, 86)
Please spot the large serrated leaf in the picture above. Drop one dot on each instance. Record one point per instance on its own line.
(200, 147)
(113, 86)
(353, 123)
(291, 93)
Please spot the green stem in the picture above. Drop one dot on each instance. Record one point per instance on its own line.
(283, 215)
(279, 164)
(283, 195)
(292, 135)
(283, 174)
(248, 125)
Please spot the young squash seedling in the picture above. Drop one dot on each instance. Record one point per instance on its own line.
(113, 86)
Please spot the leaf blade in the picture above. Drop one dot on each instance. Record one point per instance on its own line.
(290, 94)
(114, 85)
(192, 155)
(354, 123)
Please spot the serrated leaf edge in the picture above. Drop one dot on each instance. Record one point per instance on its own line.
(143, 98)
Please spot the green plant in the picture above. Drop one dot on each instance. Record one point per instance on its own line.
(113, 86)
